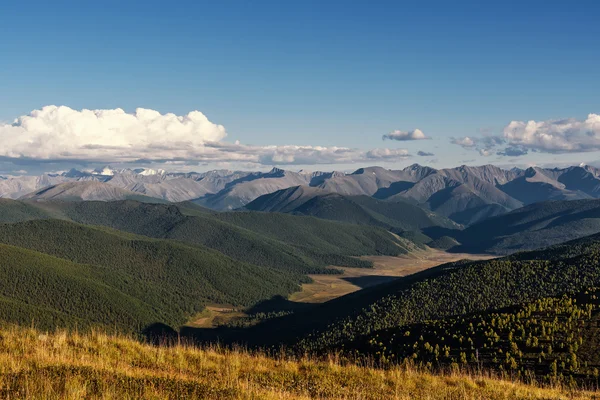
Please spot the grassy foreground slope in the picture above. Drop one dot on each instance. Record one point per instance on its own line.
(73, 366)
(98, 276)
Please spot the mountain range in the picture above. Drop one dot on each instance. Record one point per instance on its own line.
(463, 194)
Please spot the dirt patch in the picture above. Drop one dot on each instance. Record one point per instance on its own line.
(215, 315)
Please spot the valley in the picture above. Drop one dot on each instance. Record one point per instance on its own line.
(325, 287)
(385, 269)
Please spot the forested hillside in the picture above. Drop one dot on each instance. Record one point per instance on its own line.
(167, 261)
(452, 289)
(533, 227)
(461, 288)
(300, 244)
(97, 276)
(550, 339)
(400, 216)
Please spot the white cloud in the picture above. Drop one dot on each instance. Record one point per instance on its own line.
(465, 142)
(556, 136)
(551, 136)
(60, 134)
(304, 155)
(416, 134)
(387, 154)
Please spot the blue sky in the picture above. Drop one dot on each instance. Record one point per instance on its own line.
(325, 73)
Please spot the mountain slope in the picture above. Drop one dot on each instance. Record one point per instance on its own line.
(274, 240)
(86, 191)
(240, 194)
(552, 338)
(17, 211)
(369, 181)
(285, 200)
(316, 236)
(58, 293)
(362, 210)
(452, 289)
(161, 186)
(537, 185)
(461, 194)
(535, 226)
(15, 187)
(461, 288)
(100, 276)
(55, 365)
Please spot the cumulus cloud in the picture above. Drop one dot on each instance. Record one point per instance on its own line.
(60, 134)
(552, 136)
(416, 134)
(387, 154)
(477, 143)
(464, 142)
(556, 136)
(485, 152)
(424, 154)
(301, 155)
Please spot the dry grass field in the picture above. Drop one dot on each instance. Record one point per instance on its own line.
(386, 268)
(215, 315)
(61, 365)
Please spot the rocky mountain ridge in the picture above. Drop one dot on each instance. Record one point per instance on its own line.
(464, 194)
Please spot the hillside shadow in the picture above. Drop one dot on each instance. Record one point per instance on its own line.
(246, 336)
(436, 232)
(394, 188)
(160, 334)
(277, 304)
(370, 280)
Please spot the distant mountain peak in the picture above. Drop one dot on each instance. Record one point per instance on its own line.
(107, 170)
(75, 173)
(149, 171)
(415, 166)
(276, 171)
(372, 170)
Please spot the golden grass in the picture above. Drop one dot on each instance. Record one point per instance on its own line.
(327, 287)
(215, 315)
(99, 366)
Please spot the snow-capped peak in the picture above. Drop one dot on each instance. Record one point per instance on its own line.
(106, 170)
(149, 171)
